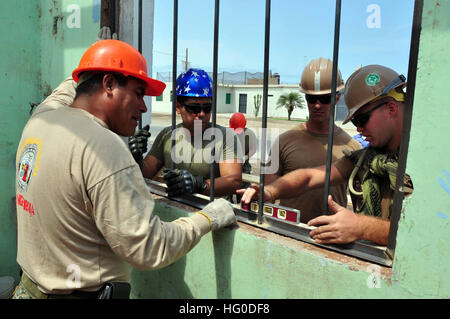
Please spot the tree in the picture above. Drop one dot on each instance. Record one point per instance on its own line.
(290, 101)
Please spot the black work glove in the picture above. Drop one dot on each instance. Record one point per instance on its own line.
(181, 181)
(138, 143)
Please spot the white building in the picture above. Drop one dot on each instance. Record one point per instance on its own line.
(240, 98)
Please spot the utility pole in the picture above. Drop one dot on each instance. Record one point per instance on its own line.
(186, 64)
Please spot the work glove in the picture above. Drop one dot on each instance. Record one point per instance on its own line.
(181, 181)
(138, 143)
(220, 213)
(105, 34)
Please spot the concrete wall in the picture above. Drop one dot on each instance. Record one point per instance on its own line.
(19, 85)
(43, 42)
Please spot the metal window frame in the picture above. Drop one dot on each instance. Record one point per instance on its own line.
(365, 250)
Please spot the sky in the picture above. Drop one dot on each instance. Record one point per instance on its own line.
(371, 32)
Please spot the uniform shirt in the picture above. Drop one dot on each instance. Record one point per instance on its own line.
(84, 211)
(192, 154)
(63, 95)
(299, 148)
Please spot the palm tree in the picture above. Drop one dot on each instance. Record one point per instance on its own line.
(290, 101)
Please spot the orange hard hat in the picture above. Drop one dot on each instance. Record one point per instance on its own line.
(120, 57)
(238, 122)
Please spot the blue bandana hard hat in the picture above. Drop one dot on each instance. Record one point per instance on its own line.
(194, 83)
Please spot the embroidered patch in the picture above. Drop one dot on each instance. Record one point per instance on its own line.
(27, 164)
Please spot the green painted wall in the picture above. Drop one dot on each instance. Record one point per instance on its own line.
(19, 85)
(422, 263)
(238, 263)
(39, 50)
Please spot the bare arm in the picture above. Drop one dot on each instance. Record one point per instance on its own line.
(302, 180)
(150, 166)
(294, 183)
(230, 178)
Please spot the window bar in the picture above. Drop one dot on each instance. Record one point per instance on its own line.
(337, 23)
(174, 71)
(264, 114)
(139, 39)
(407, 118)
(112, 16)
(214, 96)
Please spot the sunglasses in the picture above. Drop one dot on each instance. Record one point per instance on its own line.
(196, 108)
(361, 119)
(323, 99)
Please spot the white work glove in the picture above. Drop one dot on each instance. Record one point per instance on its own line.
(105, 34)
(220, 213)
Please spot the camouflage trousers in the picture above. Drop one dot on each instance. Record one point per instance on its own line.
(21, 293)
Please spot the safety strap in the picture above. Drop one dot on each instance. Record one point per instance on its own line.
(386, 192)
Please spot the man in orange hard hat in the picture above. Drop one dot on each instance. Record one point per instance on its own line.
(84, 212)
(375, 100)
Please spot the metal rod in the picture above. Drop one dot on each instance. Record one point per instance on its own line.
(360, 249)
(406, 128)
(140, 40)
(264, 113)
(214, 96)
(337, 24)
(140, 26)
(174, 71)
(112, 16)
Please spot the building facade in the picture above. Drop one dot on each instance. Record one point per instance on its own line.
(242, 98)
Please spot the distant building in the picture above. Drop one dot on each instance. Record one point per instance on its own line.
(233, 98)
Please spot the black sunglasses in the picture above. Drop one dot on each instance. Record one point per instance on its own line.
(361, 119)
(324, 98)
(196, 108)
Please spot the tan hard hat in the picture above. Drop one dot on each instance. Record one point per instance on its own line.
(317, 76)
(367, 84)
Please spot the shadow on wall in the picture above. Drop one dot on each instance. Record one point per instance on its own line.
(198, 265)
(223, 247)
(167, 282)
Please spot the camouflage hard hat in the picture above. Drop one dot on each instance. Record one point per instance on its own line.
(370, 83)
(317, 76)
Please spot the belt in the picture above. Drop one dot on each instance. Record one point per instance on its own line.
(34, 291)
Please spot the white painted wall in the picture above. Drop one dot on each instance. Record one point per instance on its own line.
(165, 106)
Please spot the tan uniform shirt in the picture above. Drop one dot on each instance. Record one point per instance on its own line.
(83, 209)
(299, 148)
(63, 95)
